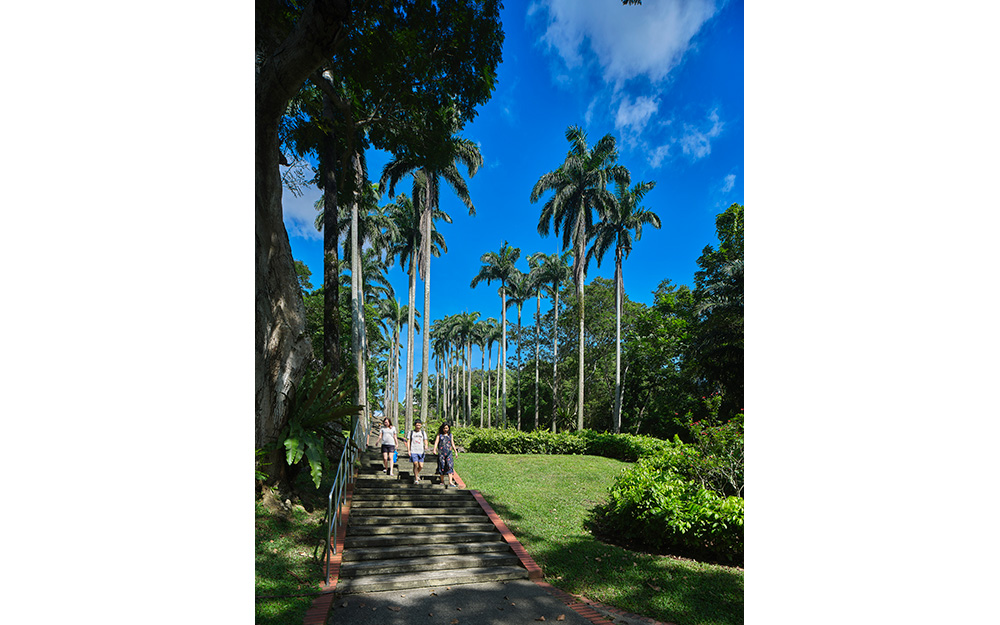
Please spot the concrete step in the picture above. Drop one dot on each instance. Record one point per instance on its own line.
(424, 550)
(416, 538)
(382, 519)
(430, 528)
(400, 581)
(425, 504)
(386, 484)
(402, 508)
(432, 563)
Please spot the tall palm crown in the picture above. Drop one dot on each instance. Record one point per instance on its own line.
(580, 187)
(621, 217)
(499, 266)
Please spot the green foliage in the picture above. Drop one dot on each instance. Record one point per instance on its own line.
(652, 507)
(319, 413)
(719, 464)
(625, 447)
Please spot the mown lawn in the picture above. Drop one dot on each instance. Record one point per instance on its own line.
(546, 501)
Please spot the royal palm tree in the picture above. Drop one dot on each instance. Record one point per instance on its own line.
(621, 217)
(552, 271)
(396, 316)
(580, 187)
(518, 293)
(466, 323)
(535, 287)
(499, 266)
(480, 336)
(442, 163)
(405, 215)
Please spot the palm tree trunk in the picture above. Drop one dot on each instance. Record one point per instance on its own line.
(489, 388)
(357, 309)
(410, 332)
(555, 357)
(581, 279)
(538, 326)
(503, 353)
(331, 255)
(427, 227)
(617, 416)
(482, 387)
(518, 366)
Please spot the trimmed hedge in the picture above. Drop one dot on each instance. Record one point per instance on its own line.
(653, 507)
(626, 447)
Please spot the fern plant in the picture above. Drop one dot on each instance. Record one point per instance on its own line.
(319, 412)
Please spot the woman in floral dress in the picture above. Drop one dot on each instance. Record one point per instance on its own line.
(446, 455)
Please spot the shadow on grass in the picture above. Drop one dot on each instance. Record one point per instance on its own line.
(662, 587)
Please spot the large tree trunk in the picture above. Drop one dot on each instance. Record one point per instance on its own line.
(581, 279)
(282, 348)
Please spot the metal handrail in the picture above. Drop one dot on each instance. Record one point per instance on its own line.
(345, 474)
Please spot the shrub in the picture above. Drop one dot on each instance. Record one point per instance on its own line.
(652, 507)
(719, 464)
(624, 447)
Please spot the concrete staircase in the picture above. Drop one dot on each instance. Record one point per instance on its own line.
(405, 535)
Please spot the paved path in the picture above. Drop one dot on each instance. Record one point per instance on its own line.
(490, 603)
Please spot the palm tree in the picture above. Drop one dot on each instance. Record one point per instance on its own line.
(493, 335)
(519, 293)
(580, 186)
(552, 271)
(441, 164)
(396, 316)
(622, 216)
(405, 215)
(500, 267)
(466, 324)
(534, 285)
(481, 335)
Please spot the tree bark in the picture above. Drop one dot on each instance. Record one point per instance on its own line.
(425, 266)
(410, 333)
(555, 358)
(502, 417)
(282, 348)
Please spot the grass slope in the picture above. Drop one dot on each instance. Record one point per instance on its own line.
(546, 501)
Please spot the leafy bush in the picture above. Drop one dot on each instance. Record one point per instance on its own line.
(652, 507)
(319, 413)
(719, 464)
(618, 446)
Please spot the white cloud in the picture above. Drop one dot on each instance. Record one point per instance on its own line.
(299, 213)
(633, 116)
(728, 182)
(628, 41)
(696, 141)
(656, 156)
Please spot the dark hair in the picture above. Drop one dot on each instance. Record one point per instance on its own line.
(441, 429)
(387, 419)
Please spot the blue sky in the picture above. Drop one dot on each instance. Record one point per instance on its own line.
(664, 78)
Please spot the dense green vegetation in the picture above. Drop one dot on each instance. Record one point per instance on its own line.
(548, 502)
(336, 78)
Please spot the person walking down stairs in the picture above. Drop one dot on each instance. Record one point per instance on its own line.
(389, 440)
(416, 446)
(446, 455)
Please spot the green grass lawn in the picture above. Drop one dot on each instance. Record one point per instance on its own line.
(546, 500)
(288, 550)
